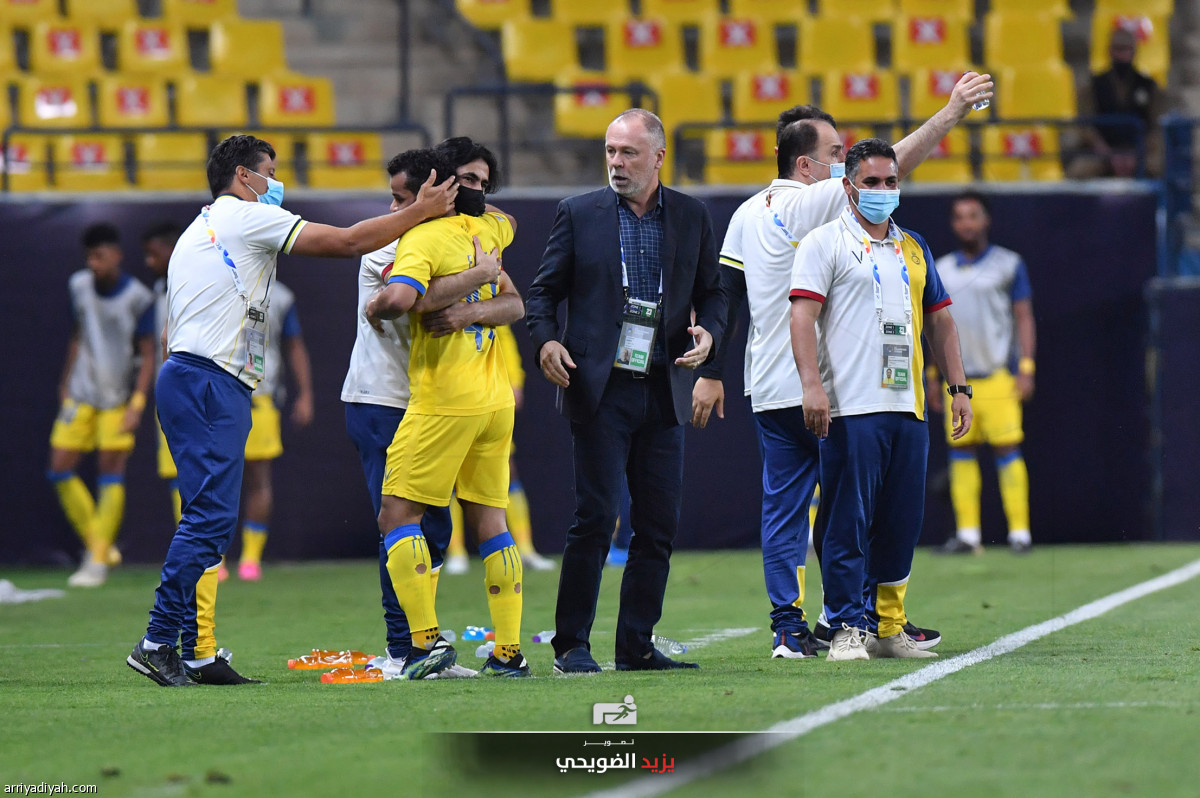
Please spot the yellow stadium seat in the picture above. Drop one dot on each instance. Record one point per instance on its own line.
(929, 42)
(63, 46)
(771, 12)
(210, 100)
(23, 13)
(950, 161)
(1021, 153)
(852, 134)
(284, 144)
(739, 156)
(863, 10)
(54, 101)
(345, 160)
(89, 162)
(860, 96)
(132, 101)
(1058, 9)
(587, 106)
(835, 43)
(492, 14)
(152, 46)
(686, 97)
(107, 14)
(929, 90)
(247, 48)
(762, 96)
(957, 9)
(291, 100)
(536, 50)
(730, 46)
(1021, 40)
(170, 161)
(198, 13)
(588, 14)
(641, 46)
(27, 162)
(1153, 42)
(681, 12)
(1153, 8)
(1042, 91)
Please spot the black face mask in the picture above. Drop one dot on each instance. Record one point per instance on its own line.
(470, 201)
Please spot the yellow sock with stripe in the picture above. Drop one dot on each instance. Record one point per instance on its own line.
(77, 503)
(517, 516)
(254, 540)
(965, 484)
(458, 542)
(502, 577)
(110, 510)
(1014, 494)
(889, 606)
(410, 569)
(206, 618)
(176, 501)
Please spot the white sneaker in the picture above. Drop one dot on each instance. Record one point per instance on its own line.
(391, 668)
(897, 646)
(90, 574)
(456, 564)
(847, 644)
(454, 672)
(536, 562)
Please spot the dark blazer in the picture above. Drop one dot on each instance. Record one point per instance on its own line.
(582, 265)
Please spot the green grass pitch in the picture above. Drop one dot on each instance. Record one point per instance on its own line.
(1105, 708)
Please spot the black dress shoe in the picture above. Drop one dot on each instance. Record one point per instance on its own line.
(657, 661)
(576, 661)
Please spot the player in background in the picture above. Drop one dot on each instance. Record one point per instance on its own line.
(158, 242)
(102, 396)
(993, 305)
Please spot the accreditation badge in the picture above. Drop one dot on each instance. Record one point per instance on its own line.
(897, 355)
(256, 340)
(639, 325)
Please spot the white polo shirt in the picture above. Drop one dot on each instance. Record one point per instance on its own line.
(205, 315)
(830, 267)
(378, 373)
(984, 291)
(108, 323)
(784, 214)
(731, 256)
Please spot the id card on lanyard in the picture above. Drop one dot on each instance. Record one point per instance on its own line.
(255, 325)
(639, 326)
(895, 369)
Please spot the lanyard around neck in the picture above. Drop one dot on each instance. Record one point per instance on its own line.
(894, 234)
(625, 270)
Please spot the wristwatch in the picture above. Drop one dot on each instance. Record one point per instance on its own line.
(957, 389)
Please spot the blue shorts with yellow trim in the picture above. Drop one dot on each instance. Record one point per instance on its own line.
(265, 441)
(83, 428)
(997, 408)
(434, 456)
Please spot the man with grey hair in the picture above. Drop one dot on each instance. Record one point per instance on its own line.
(632, 261)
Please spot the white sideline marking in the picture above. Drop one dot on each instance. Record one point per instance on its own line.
(701, 642)
(747, 748)
(1039, 707)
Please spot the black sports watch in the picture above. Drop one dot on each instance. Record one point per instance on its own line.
(957, 389)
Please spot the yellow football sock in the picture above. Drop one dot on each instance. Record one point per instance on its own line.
(110, 509)
(78, 505)
(408, 565)
(965, 484)
(1014, 490)
(458, 543)
(889, 606)
(254, 540)
(176, 505)
(502, 578)
(206, 614)
(517, 516)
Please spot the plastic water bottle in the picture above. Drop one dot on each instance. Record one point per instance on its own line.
(544, 637)
(668, 646)
(485, 651)
(981, 105)
(449, 635)
(474, 633)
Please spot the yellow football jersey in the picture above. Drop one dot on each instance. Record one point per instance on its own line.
(461, 374)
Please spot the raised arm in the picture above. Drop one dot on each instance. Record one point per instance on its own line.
(916, 146)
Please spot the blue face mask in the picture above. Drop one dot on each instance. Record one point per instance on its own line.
(836, 170)
(876, 205)
(274, 195)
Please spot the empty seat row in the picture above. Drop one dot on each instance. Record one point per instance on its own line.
(108, 12)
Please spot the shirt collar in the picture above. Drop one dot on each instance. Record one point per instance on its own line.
(853, 227)
(658, 204)
(962, 259)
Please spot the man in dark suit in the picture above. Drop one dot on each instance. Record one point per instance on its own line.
(629, 259)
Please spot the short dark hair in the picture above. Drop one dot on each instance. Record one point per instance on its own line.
(971, 196)
(867, 148)
(417, 166)
(99, 234)
(162, 231)
(231, 153)
(798, 113)
(799, 138)
(462, 150)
